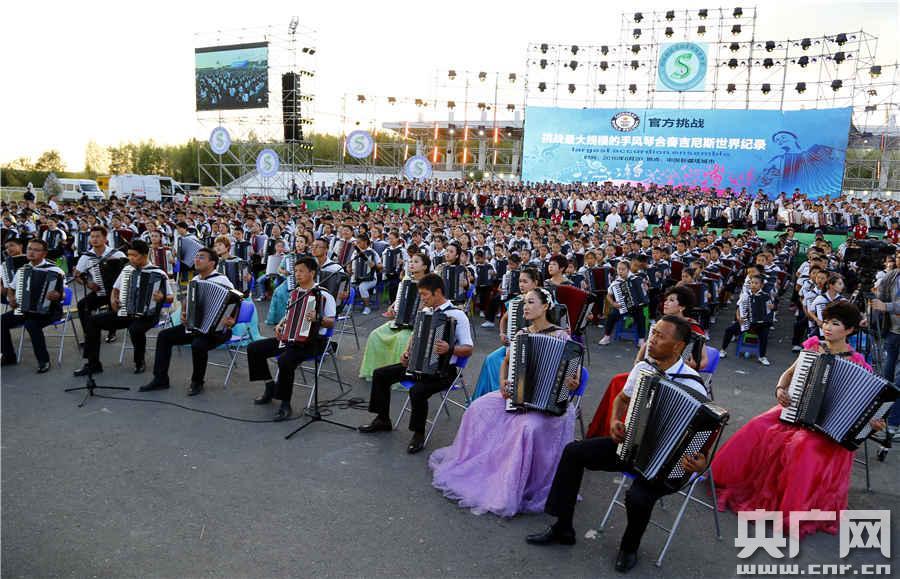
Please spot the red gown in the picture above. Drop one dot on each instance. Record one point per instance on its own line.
(775, 466)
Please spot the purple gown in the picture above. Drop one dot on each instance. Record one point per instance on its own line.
(502, 462)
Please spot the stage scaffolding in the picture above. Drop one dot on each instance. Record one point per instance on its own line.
(292, 49)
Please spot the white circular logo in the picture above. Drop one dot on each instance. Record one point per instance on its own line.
(625, 121)
(267, 163)
(219, 140)
(360, 144)
(417, 167)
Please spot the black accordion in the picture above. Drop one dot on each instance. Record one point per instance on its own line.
(836, 397)
(334, 282)
(484, 275)
(297, 328)
(509, 284)
(629, 293)
(188, 247)
(393, 262)
(539, 366)
(104, 273)
(10, 266)
(454, 277)
(32, 287)
(665, 422)
(234, 270)
(363, 266)
(515, 317)
(755, 310)
(430, 327)
(207, 304)
(137, 289)
(407, 305)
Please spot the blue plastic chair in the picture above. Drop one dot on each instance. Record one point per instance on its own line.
(745, 347)
(60, 326)
(620, 332)
(237, 344)
(345, 316)
(458, 383)
(576, 396)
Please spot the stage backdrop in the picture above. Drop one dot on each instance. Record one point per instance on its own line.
(770, 150)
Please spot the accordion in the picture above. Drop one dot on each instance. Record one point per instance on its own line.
(334, 282)
(484, 275)
(206, 305)
(430, 327)
(104, 273)
(578, 306)
(500, 266)
(597, 279)
(297, 328)
(539, 367)
(188, 247)
(122, 237)
(159, 256)
(234, 270)
(836, 397)
(341, 251)
(515, 317)
(509, 284)
(10, 266)
(363, 266)
(32, 288)
(665, 422)
(407, 305)
(136, 292)
(755, 310)
(241, 249)
(454, 277)
(629, 293)
(658, 274)
(393, 262)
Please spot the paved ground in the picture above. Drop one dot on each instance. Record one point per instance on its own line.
(137, 489)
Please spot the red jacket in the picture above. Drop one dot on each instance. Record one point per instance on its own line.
(893, 235)
(860, 231)
(684, 223)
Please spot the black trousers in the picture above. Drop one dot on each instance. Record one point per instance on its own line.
(493, 307)
(289, 357)
(201, 344)
(636, 313)
(137, 331)
(34, 325)
(392, 284)
(600, 454)
(88, 305)
(484, 294)
(380, 398)
(761, 330)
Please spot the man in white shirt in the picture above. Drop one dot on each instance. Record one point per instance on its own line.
(587, 218)
(613, 220)
(431, 295)
(98, 296)
(640, 223)
(34, 323)
(668, 338)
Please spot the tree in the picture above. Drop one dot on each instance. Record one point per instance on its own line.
(50, 161)
(20, 164)
(96, 158)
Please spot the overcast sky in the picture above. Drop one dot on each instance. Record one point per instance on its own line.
(123, 71)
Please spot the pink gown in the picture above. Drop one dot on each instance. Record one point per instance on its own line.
(775, 466)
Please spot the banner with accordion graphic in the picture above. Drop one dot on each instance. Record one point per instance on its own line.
(758, 149)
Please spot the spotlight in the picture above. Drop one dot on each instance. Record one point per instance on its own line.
(636, 33)
(836, 85)
(573, 64)
(803, 61)
(361, 98)
(635, 64)
(482, 76)
(480, 132)
(543, 63)
(670, 15)
(734, 47)
(510, 107)
(451, 74)
(841, 39)
(768, 63)
(604, 50)
(571, 88)
(731, 88)
(871, 108)
(732, 63)
(392, 100)
(512, 77)
(601, 88)
(736, 29)
(703, 13)
(604, 65)
(738, 12)
(770, 45)
(766, 88)
(839, 57)
(635, 48)
(805, 43)
(420, 102)
(701, 30)
(669, 31)
(451, 104)
(542, 86)
(638, 16)
(544, 48)
(875, 71)
(574, 49)
(632, 88)
(482, 106)
(801, 87)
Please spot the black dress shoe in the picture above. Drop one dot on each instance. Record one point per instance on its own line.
(139, 368)
(88, 369)
(552, 536)
(267, 395)
(377, 425)
(111, 338)
(195, 388)
(416, 443)
(284, 412)
(625, 561)
(153, 385)
(43, 368)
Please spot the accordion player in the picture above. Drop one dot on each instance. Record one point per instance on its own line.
(754, 311)
(37, 290)
(429, 328)
(539, 369)
(301, 318)
(207, 304)
(629, 293)
(836, 397)
(137, 288)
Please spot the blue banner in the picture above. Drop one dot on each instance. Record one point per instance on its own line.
(770, 150)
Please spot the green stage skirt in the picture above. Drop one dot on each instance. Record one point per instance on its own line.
(384, 347)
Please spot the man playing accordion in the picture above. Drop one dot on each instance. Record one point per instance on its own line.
(309, 340)
(98, 297)
(114, 319)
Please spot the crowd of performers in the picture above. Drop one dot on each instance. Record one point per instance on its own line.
(538, 281)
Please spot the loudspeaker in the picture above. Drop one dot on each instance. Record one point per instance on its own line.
(290, 107)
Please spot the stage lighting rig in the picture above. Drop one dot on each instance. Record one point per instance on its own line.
(571, 88)
(601, 88)
(875, 71)
(766, 88)
(544, 48)
(573, 64)
(805, 43)
(701, 30)
(703, 13)
(482, 76)
(839, 57)
(632, 88)
(670, 15)
(801, 87)
(731, 88)
(738, 12)
(734, 47)
(542, 86)
(604, 65)
(803, 61)
(669, 32)
(451, 74)
(836, 85)
(636, 33)
(574, 49)
(638, 16)
(512, 77)
(736, 29)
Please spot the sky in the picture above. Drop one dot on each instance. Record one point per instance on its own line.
(115, 72)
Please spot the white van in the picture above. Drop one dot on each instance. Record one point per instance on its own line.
(150, 187)
(73, 189)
